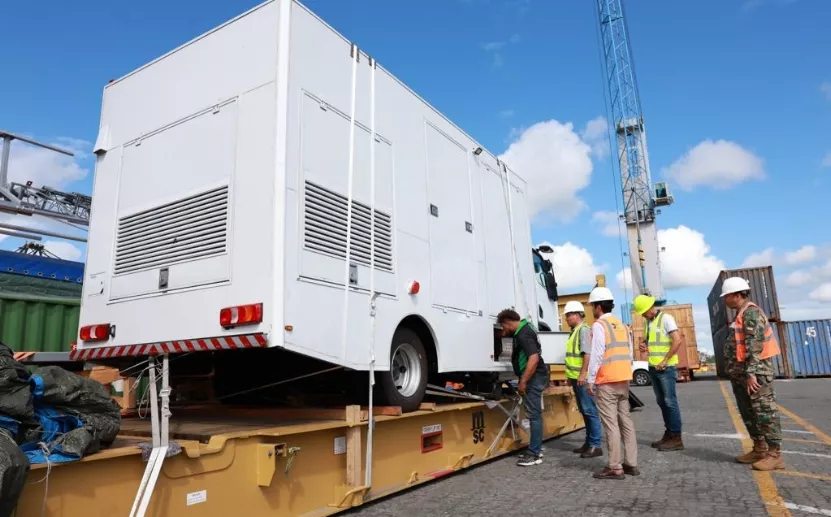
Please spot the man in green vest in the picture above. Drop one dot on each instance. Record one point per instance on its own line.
(662, 342)
(578, 353)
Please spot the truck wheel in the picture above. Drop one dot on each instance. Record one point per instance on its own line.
(642, 378)
(406, 382)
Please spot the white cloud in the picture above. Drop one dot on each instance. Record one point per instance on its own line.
(45, 167)
(761, 258)
(556, 163)
(496, 47)
(686, 260)
(720, 165)
(801, 256)
(63, 250)
(596, 135)
(624, 279)
(609, 223)
(573, 266)
(825, 88)
(798, 278)
(826, 162)
(821, 293)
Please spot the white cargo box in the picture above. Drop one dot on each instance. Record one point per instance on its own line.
(226, 171)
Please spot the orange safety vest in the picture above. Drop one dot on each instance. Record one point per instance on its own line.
(769, 349)
(617, 363)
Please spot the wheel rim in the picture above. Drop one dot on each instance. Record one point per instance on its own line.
(642, 379)
(406, 370)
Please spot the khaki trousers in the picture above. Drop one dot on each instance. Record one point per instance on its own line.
(613, 405)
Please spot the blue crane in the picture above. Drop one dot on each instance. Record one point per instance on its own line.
(640, 200)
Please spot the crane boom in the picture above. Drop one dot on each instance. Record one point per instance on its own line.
(639, 199)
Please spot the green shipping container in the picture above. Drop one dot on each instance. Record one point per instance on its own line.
(30, 323)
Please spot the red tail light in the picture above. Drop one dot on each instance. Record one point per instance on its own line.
(95, 332)
(241, 315)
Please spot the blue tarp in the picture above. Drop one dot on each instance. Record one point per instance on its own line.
(42, 267)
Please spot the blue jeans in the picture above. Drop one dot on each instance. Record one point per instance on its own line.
(585, 403)
(533, 411)
(663, 384)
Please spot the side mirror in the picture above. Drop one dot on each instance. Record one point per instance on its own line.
(545, 249)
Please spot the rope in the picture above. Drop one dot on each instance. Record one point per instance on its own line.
(264, 386)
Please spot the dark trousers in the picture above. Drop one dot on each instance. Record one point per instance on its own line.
(587, 408)
(533, 410)
(663, 384)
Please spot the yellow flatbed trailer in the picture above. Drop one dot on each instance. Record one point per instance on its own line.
(249, 463)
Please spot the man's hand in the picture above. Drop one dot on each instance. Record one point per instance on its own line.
(752, 384)
(581, 381)
(662, 365)
(523, 386)
(591, 389)
(642, 347)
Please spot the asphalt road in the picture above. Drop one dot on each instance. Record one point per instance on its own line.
(702, 480)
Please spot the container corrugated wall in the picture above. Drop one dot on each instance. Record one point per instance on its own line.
(38, 323)
(809, 347)
(779, 368)
(719, 337)
(762, 293)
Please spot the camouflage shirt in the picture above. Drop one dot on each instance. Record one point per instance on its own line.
(755, 322)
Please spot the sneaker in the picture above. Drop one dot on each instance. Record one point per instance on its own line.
(528, 460)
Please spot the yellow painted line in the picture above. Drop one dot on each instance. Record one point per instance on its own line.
(803, 474)
(774, 503)
(804, 423)
(800, 440)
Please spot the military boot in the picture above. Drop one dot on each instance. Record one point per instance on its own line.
(673, 443)
(658, 443)
(772, 461)
(760, 449)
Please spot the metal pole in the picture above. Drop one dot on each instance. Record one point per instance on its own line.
(4, 161)
(21, 235)
(5, 206)
(42, 232)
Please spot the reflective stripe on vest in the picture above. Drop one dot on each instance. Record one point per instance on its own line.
(617, 363)
(574, 359)
(659, 342)
(770, 347)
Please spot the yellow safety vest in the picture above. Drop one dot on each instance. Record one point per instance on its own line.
(574, 359)
(659, 342)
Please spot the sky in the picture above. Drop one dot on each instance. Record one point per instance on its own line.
(736, 96)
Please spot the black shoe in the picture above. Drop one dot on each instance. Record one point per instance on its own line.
(528, 460)
(632, 471)
(592, 452)
(580, 450)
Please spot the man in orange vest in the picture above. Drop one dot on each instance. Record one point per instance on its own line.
(748, 354)
(610, 371)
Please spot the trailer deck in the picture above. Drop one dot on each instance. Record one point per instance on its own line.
(288, 462)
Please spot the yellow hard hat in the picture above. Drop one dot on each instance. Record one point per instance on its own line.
(642, 304)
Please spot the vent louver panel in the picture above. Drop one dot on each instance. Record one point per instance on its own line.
(325, 228)
(192, 228)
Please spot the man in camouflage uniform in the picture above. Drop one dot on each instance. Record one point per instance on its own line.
(752, 377)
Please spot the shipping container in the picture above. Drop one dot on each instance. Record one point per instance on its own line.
(720, 335)
(38, 323)
(683, 315)
(808, 347)
(780, 369)
(762, 293)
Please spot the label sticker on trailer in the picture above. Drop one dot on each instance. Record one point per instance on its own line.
(340, 445)
(428, 429)
(197, 497)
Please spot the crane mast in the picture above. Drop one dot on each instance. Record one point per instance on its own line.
(640, 201)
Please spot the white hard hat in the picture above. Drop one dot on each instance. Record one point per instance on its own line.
(573, 307)
(734, 284)
(601, 294)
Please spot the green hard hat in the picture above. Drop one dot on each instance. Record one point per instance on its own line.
(642, 304)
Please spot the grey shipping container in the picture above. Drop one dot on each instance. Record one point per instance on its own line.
(762, 293)
(808, 347)
(719, 337)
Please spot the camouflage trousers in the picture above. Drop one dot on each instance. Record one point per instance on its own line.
(758, 410)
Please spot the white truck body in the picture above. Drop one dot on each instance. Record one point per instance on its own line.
(223, 178)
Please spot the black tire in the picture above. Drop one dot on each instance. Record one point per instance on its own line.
(406, 342)
(641, 378)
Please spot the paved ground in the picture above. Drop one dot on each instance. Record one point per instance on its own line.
(699, 481)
